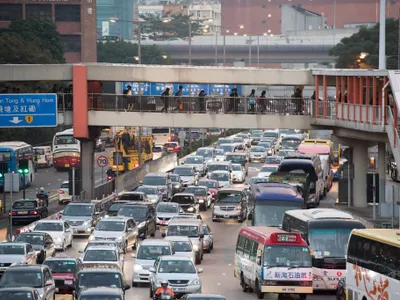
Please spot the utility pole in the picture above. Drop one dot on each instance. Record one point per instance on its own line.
(216, 47)
(190, 41)
(382, 35)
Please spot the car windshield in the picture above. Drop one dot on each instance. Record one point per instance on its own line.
(147, 190)
(100, 255)
(102, 243)
(217, 167)
(174, 178)
(219, 152)
(183, 230)
(131, 197)
(184, 171)
(291, 143)
(64, 186)
(284, 153)
(182, 199)
(24, 204)
(257, 149)
(256, 136)
(78, 210)
(255, 180)
(227, 197)
(167, 208)
(270, 134)
(194, 160)
(270, 212)
(169, 145)
(287, 256)
(214, 130)
(182, 246)
(227, 148)
(151, 252)
(96, 279)
(116, 206)
(209, 184)
(204, 152)
(238, 140)
(154, 180)
(236, 167)
(30, 238)
(12, 249)
(22, 278)
(199, 191)
(176, 266)
(269, 169)
(329, 242)
(48, 226)
(219, 176)
(205, 230)
(61, 266)
(236, 158)
(157, 149)
(265, 145)
(16, 295)
(138, 213)
(272, 160)
(110, 226)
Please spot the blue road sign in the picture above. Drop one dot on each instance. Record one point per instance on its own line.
(28, 110)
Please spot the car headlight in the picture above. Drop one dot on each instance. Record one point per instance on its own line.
(118, 239)
(190, 209)
(106, 216)
(87, 222)
(196, 248)
(92, 238)
(195, 282)
(58, 240)
(41, 296)
(137, 268)
(141, 225)
(216, 207)
(176, 186)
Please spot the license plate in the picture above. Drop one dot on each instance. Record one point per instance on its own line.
(66, 165)
(226, 216)
(179, 289)
(22, 212)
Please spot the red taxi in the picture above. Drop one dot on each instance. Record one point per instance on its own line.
(172, 147)
(212, 186)
(64, 270)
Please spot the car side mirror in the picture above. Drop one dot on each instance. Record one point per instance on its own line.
(152, 270)
(163, 235)
(126, 287)
(141, 182)
(49, 283)
(250, 216)
(200, 270)
(201, 236)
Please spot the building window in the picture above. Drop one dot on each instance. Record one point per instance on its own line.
(68, 13)
(72, 43)
(10, 12)
(38, 11)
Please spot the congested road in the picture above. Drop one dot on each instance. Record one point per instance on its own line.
(218, 266)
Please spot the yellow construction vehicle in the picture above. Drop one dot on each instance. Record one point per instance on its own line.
(125, 156)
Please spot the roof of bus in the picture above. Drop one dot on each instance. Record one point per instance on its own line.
(310, 148)
(276, 191)
(317, 141)
(65, 132)
(388, 236)
(319, 214)
(293, 137)
(13, 144)
(262, 234)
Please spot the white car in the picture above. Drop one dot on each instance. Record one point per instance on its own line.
(59, 230)
(257, 154)
(183, 246)
(198, 163)
(158, 151)
(63, 193)
(238, 173)
(267, 170)
(219, 155)
(223, 178)
(104, 255)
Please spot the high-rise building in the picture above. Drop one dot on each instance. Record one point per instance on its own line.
(75, 21)
(121, 10)
(256, 17)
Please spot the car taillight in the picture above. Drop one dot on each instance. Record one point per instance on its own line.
(33, 213)
(60, 191)
(13, 213)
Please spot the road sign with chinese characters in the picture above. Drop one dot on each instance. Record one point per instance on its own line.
(28, 110)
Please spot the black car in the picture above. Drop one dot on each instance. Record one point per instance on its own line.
(114, 208)
(102, 293)
(20, 293)
(144, 213)
(41, 242)
(28, 211)
(176, 182)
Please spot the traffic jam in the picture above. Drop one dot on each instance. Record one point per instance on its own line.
(260, 190)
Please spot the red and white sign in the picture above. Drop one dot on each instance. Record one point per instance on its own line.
(102, 161)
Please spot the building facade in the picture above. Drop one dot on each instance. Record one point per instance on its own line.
(75, 21)
(121, 10)
(255, 17)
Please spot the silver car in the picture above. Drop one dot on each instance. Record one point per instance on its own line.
(146, 255)
(104, 255)
(179, 271)
(208, 240)
(223, 178)
(198, 163)
(99, 243)
(82, 217)
(123, 230)
(15, 254)
(183, 247)
(166, 211)
(257, 154)
(153, 193)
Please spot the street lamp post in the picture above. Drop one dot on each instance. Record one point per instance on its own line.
(382, 35)
(158, 56)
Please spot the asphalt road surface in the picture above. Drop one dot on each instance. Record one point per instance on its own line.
(218, 265)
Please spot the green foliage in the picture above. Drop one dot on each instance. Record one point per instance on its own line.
(43, 34)
(347, 52)
(33, 136)
(121, 51)
(177, 26)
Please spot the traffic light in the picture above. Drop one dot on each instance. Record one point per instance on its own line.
(3, 168)
(23, 166)
(78, 181)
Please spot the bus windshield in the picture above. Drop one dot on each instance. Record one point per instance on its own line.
(290, 143)
(287, 256)
(270, 212)
(329, 242)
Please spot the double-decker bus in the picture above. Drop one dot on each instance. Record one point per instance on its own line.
(270, 260)
(19, 158)
(372, 264)
(327, 232)
(66, 150)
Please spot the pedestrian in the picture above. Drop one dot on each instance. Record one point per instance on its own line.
(128, 98)
(298, 101)
(178, 95)
(165, 99)
(233, 100)
(262, 101)
(252, 101)
(202, 100)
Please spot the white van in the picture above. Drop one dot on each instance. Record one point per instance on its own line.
(44, 156)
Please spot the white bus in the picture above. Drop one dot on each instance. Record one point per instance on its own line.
(327, 232)
(66, 140)
(373, 270)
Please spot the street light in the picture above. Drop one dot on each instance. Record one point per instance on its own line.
(130, 57)
(363, 55)
(159, 56)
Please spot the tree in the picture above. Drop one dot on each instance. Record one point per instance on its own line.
(121, 51)
(348, 51)
(168, 26)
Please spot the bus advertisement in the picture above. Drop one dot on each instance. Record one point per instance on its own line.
(270, 260)
(18, 157)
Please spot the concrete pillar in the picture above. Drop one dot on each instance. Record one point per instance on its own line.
(382, 171)
(360, 160)
(87, 168)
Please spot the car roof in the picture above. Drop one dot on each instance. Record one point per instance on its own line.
(157, 174)
(19, 289)
(185, 222)
(204, 296)
(205, 180)
(80, 203)
(196, 156)
(176, 238)
(14, 244)
(154, 242)
(100, 247)
(183, 194)
(65, 182)
(116, 218)
(184, 167)
(30, 232)
(195, 186)
(237, 153)
(220, 171)
(110, 269)
(56, 258)
(100, 291)
(50, 221)
(174, 257)
(138, 203)
(231, 189)
(34, 267)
